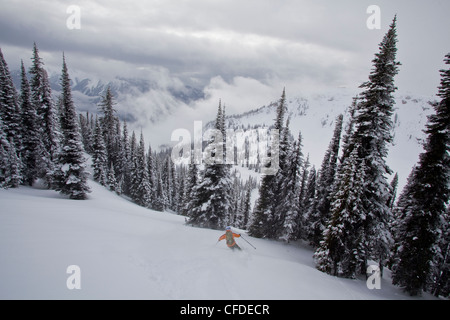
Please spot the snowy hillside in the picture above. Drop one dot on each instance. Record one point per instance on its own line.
(314, 116)
(127, 252)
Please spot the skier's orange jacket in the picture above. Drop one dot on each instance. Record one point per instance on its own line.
(229, 235)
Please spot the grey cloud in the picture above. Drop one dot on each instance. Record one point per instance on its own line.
(243, 52)
(324, 41)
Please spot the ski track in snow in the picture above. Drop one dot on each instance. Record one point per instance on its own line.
(128, 252)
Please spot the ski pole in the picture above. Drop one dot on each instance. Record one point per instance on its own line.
(248, 242)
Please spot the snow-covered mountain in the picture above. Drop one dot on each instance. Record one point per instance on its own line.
(314, 116)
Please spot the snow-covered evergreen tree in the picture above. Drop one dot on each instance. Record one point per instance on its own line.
(423, 204)
(31, 142)
(87, 134)
(318, 219)
(281, 112)
(10, 163)
(4, 159)
(349, 131)
(125, 162)
(41, 97)
(180, 193)
(140, 190)
(117, 149)
(303, 182)
(151, 173)
(10, 112)
(99, 157)
(283, 184)
(440, 273)
(289, 191)
(359, 225)
(133, 166)
(373, 128)
(262, 215)
(398, 218)
(393, 192)
(108, 121)
(70, 176)
(112, 183)
(243, 210)
(160, 199)
(212, 203)
(264, 223)
(174, 184)
(343, 249)
(192, 180)
(235, 216)
(246, 205)
(168, 182)
(308, 206)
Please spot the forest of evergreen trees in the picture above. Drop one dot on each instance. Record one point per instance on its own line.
(347, 210)
(46, 141)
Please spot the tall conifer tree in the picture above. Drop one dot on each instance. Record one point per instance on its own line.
(70, 176)
(190, 199)
(125, 162)
(41, 97)
(213, 193)
(10, 112)
(342, 250)
(141, 191)
(368, 235)
(263, 222)
(423, 204)
(99, 157)
(31, 143)
(318, 219)
(109, 121)
(290, 190)
(10, 164)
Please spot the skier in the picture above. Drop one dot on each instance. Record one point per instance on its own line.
(229, 235)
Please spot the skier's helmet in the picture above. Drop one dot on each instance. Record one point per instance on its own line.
(228, 228)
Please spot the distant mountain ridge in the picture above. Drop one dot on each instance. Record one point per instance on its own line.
(88, 92)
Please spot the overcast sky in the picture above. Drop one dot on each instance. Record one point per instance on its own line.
(324, 42)
(241, 51)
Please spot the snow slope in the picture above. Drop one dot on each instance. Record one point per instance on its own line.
(127, 252)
